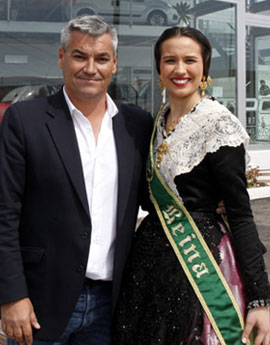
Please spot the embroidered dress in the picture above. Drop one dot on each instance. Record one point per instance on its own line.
(205, 164)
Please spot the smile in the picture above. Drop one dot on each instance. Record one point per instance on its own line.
(180, 82)
(89, 79)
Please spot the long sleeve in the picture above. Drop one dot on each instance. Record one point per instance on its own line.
(221, 176)
(12, 183)
(228, 168)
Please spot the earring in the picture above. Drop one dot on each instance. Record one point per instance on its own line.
(204, 84)
(162, 87)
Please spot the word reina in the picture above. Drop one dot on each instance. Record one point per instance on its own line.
(187, 248)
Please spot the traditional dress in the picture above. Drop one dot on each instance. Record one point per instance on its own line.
(162, 301)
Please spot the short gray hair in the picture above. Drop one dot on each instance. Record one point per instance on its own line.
(92, 25)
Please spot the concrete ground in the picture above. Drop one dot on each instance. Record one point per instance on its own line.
(261, 211)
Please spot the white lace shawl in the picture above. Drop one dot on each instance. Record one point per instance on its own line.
(203, 130)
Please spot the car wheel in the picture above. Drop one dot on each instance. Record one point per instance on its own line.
(157, 18)
(85, 11)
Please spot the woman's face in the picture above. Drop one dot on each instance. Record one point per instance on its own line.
(181, 68)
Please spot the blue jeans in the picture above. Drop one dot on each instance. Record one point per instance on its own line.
(90, 322)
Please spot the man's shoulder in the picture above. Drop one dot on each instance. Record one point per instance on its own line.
(36, 107)
(132, 110)
(33, 112)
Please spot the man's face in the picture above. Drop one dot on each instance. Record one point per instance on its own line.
(88, 64)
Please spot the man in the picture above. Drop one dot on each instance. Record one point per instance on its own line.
(264, 88)
(71, 180)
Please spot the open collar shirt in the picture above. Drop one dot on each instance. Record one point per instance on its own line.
(100, 170)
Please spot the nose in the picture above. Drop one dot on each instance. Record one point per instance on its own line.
(180, 67)
(90, 66)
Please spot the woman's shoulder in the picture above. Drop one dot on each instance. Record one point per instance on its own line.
(211, 107)
(217, 115)
(225, 128)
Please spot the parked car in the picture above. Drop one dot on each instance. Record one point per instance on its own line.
(148, 12)
(263, 125)
(24, 93)
(3, 107)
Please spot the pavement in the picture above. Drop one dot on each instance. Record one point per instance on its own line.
(261, 212)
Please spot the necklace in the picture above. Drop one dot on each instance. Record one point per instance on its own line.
(164, 148)
(171, 126)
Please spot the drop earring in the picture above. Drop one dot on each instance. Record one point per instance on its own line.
(204, 84)
(162, 87)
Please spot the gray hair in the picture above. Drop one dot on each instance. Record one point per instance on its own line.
(92, 25)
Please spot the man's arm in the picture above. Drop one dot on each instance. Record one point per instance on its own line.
(17, 312)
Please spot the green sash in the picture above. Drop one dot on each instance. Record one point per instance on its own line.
(195, 257)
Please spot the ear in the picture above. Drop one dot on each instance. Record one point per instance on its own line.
(60, 57)
(114, 69)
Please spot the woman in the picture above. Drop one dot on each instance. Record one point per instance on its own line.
(182, 284)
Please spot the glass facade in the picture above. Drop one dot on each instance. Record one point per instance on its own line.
(238, 31)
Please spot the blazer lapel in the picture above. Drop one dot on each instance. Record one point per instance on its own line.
(64, 136)
(125, 157)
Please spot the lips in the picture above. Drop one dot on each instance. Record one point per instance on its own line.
(88, 79)
(180, 82)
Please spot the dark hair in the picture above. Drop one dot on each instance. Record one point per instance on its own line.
(192, 33)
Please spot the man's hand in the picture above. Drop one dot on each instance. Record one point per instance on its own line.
(18, 318)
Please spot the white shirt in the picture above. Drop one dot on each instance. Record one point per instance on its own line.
(100, 170)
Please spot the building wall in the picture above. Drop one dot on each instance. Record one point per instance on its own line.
(29, 41)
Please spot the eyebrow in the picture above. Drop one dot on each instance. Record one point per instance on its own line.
(74, 51)
(102, 54)
(186, 56)
(105, 54)
(192, 56)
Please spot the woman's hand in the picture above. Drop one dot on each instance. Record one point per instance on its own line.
(258, 318)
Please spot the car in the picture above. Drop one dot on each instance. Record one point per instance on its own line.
(3, 108)
(23, 93)
(147, 12)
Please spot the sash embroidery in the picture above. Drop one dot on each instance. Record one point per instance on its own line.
(195, 257)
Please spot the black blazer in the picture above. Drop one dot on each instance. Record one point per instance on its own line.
(45, 224)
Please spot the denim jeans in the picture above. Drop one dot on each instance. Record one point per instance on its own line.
(90, 322)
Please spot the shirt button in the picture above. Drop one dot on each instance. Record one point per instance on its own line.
(84, 235)
(80, 268)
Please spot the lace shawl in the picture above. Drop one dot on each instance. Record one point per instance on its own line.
(205, 129)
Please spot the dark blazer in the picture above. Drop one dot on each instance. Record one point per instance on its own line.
(45, 224)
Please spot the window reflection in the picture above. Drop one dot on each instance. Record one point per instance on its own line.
(28, 57)
(258, 83)
(258, 6)
(216, 19)
(132, 12)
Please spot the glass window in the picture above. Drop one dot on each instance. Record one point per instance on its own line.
(258, 84)
(258, 6)
(217, 21)
(29, 50)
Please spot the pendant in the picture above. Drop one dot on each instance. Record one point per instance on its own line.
(162, 150)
